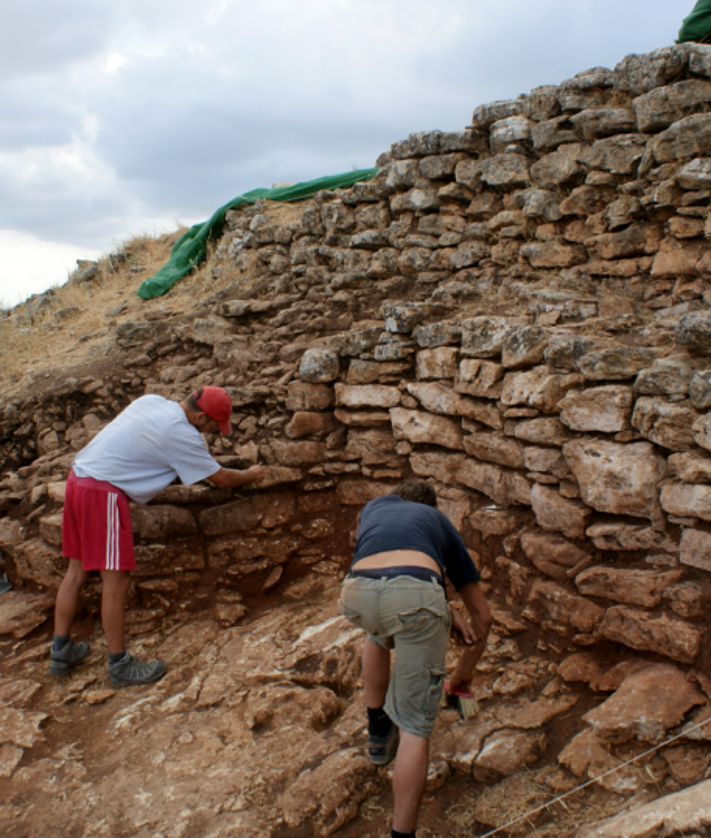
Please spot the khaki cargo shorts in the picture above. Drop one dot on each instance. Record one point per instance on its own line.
(412, 617)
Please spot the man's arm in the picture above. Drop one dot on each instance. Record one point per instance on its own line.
(480, 617)
(230, 478)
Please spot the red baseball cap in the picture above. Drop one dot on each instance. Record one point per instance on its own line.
(216, 403)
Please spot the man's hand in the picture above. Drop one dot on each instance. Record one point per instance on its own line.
(462, 632)
(255, 474)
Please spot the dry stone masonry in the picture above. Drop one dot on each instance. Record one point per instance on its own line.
(519, 312)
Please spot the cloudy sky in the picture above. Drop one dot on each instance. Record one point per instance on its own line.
(123, 117)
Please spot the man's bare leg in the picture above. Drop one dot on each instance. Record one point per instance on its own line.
(409, 778)
(114, 587)
(68, 599)
(376, 674)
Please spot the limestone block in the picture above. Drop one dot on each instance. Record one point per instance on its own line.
(558, 167)
(468, 173)
(512, 129)
(370, 445)
(546, 430)
(545, 461)
(700, 390)
(161, 521)
(481, 411)
(362, 418)
(694, 331)
(687, 500)
(319, 365)
(552, 554)
(701, 431)
(659, 108)
(479, 378)
(668, 424)
(266, 510)
(648, 704)
(437, 334)
(298, 453)
(366, 395)
(684, 812)
(586, 756)
(553, 255)
(359, 492)
(696, 174)
(441, 166)
(491, 520)
(687, 138)
(619, 536)
(440, 467)
(305, 423)
(11, 532)
(57, 490)
(667, 377)
(696, 549)
(539, 387)
(564, 351)
(678, 258)
(414, 260)
(417, 426)
(690, 467)
(651, 632)
(506, 751)
(304, 396)
(541, 203)
(584, 201)
(507, 171)
(494, 448)
(559, 514)
(440, 362)
(483, 337)
(504, 487)
(361, 371)
(436, 397)
(632, 587)
(604, 122)
(616, 363)
(21, 613)
(616, 478)
(486, 115)
(641, 73)
(607, 409)
(552, 603)
(635, 240)
(20, 727)
(36, 561)
(415, 200)
(467, 254)
(401, 174)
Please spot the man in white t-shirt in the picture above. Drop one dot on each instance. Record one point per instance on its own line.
(153, 441)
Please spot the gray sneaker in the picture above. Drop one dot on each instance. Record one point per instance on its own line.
(129, 672)
(382, 749)
(69, 656)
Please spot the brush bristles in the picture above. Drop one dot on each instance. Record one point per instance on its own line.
(468, 707)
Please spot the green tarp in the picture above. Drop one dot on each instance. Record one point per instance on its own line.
(190, 248)
(697, 24)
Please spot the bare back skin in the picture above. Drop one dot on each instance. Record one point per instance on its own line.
(397, 558)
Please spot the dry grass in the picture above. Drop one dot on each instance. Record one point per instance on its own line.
(517, 796)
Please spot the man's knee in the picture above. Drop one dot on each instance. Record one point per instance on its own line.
(115, 582)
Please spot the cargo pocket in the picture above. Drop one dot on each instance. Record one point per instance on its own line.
(434, 692)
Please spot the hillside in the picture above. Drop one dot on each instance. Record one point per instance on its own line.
(518, 312)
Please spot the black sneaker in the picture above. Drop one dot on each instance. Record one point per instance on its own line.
(382, 749)
(129, 672)
(69, 656)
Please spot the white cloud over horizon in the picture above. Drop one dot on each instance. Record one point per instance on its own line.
(120, 117)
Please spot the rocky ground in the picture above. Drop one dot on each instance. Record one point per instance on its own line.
(518, 312)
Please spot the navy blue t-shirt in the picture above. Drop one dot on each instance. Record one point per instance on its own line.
(391, 523)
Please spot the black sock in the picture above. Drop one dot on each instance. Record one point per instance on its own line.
(379, 723)
(116, 656)
(395, 834)
(59, 642)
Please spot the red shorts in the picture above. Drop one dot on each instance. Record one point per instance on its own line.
(96, 525)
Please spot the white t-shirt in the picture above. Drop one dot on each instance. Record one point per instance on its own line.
(145, 448)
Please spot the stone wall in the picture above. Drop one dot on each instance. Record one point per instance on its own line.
(517, 312)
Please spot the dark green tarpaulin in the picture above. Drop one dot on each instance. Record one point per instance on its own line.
(190, 248)
(697, 24)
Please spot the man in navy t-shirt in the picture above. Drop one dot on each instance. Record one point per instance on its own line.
(395, 591)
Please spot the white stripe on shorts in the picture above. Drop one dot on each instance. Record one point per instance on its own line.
(112, 532)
